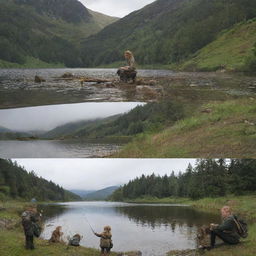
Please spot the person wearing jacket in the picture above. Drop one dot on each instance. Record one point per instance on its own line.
(105, 241)
(227, 231)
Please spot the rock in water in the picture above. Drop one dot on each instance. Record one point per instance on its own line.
(39, 79)
(126, 75)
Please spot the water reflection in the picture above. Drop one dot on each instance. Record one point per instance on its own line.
(55, 149)
(17, 87)
(153, 229)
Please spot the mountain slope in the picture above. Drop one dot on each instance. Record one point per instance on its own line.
(101, 19)
(230, 50)
(166, 31)
(102, 194)
(16, 182)
(44, 31)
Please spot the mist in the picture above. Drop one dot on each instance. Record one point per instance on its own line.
(44, 118)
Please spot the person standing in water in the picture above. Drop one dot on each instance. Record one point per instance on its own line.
(105, 241)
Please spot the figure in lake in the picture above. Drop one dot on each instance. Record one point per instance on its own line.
(56, 235)
(227, 231)
(128, 72)
(30, 218)
(105, 241)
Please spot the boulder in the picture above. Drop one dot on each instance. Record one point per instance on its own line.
(126, 75)
(67, 75)
(39, 79)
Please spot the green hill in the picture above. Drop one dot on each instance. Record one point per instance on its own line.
(17, 183)
(102, 194)
(231, 50)
(37, 32)
(166, 31)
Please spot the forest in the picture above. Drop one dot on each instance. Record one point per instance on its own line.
(147, 118)
(17, 183)
(208, 178)
(166, 32)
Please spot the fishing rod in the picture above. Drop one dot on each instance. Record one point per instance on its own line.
(89, 224)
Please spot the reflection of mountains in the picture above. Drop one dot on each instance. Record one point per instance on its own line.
(167, 215)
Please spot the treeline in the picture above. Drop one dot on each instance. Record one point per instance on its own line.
(167, 31)
(150, 117)
(17, 183)
(209, 178)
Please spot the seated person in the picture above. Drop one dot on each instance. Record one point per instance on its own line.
(227, 231)
(56, 235)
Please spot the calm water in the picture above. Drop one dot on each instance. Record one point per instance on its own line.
(17, 87)
(152, 229)
(55, 149)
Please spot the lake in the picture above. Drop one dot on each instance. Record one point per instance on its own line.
(152, 229)
(18, 89)
(55, 149)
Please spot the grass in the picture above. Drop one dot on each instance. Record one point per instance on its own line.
(12, 237)
(229, 51)
(242, 205)
(31, 62)
(229, 131)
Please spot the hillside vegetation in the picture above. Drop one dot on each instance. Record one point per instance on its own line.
(226, 129)
(17, 183)
(166, 31)
(232, 50)
(36, 32)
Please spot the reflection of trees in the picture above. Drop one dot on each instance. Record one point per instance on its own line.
(169, 216)
(51, 211)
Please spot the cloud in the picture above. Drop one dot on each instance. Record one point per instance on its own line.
(115, 8)
(48, 117)
(93, 174)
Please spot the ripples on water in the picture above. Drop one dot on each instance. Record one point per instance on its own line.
(152, 229)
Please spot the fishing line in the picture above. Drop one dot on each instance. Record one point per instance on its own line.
(89, 224)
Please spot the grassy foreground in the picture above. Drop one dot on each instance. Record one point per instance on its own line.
(12, 237)
(218, 129)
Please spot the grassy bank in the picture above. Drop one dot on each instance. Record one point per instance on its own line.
(229, 51)
(30, 63)
(217, 129)
(12, 237)
(242, 205)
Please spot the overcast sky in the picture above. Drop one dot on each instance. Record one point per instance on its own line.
(48, 117)
(94, 174)
(117, 8)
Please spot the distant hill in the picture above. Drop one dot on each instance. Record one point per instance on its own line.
(16, 182)
(3, 129)
(79, 129)
(45, 31)
(101, 19)
(81, 193)
(102, 194)
(166, 31)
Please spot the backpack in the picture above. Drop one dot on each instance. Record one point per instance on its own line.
(36, 229)
(242, 228)
(75, 240)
